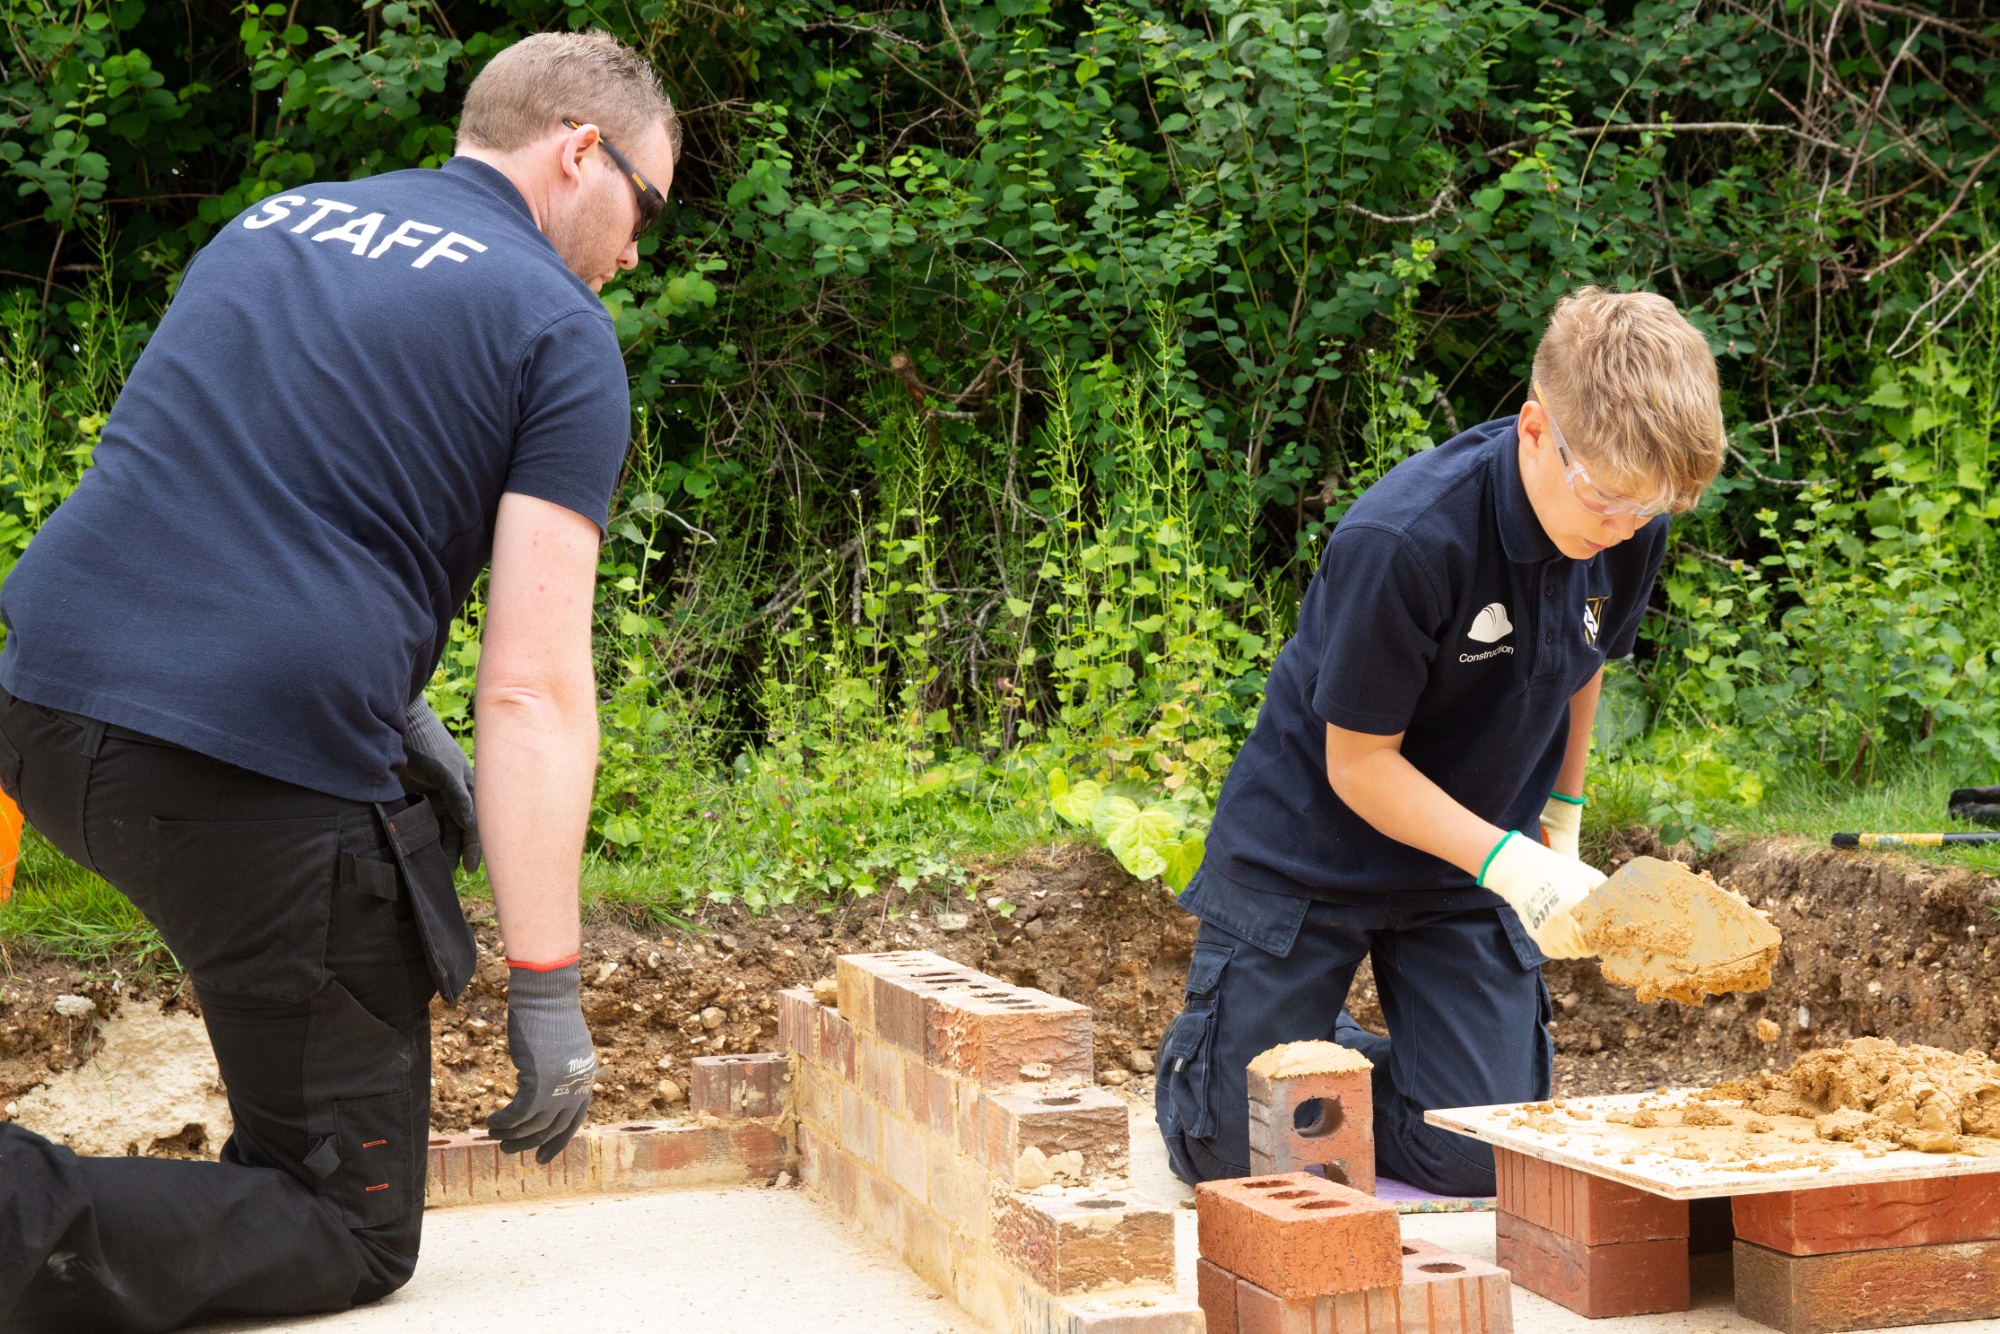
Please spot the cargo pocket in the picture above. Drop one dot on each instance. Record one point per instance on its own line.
(427, 867)
(243, 904)
(372, 1182)
(1187, 1056)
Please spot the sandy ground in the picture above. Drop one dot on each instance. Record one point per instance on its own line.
(150, 1085)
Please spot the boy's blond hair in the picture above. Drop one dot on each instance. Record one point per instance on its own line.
(1632, 385)
(527, 90)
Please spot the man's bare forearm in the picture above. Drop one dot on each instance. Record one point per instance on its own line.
(537, 759)
(536, 729)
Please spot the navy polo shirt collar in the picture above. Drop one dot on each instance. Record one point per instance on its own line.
(1522, 536)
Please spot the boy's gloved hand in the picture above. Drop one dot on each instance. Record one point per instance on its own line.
(551, 1048)
(1562, 821)
(1542, 886)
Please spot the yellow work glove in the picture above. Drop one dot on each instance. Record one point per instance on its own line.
(1562, 821)
(1542, 886)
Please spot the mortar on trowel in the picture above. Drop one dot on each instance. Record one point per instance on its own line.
(1663, 930)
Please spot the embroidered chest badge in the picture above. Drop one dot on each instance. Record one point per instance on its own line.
(1593, 618)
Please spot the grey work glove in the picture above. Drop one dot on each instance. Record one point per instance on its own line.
(434, 762)
(551, 1048)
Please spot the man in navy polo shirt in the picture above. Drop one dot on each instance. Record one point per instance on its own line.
(1413, 787)
(363, 394)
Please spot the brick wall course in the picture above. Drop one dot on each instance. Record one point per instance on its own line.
(1623, 1278)
(1081, 1241)
(798, 1022)
(1907, 1285)
(1872, 1217)
(746, 1087)
(1299, 1235)
(1587, 1208)
(1086, 1120)
(640, 1155)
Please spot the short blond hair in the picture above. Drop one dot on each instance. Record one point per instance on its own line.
(1633, 387)
(527, 91)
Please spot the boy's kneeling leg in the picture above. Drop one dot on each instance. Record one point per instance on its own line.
(1467, 1013)
(1241, 1000)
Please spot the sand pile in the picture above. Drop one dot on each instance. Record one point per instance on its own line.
(1664, 930)
(1923, 1098)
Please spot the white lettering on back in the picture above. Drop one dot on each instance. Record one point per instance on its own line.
(359, 231)
(273, 210)
(322, 207)
(401, 236)
(442, 249)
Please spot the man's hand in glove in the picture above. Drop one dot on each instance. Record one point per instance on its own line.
(434, 762)
(1542, 886)
(1562, 822)
(550, 1045)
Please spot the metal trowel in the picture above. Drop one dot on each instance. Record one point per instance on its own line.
(1665, 930)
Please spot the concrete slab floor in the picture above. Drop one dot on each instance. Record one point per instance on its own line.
(735, 1261)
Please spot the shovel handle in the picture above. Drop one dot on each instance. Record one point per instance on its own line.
(1910, 840)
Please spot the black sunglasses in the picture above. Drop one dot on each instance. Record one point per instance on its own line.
(647, 195)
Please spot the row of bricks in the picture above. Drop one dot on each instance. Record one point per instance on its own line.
(1069, 1242)
(962, 1020)
(995, 1127)
(971, 1272)
(1594, 1211)
(1438, 1292)
(470, 1169)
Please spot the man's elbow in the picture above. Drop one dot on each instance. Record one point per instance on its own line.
(554, 701)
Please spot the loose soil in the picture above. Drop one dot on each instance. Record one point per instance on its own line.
(1871, 1089)
(1872, 947)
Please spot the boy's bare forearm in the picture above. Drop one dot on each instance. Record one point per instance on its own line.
(1576, 756)
(1371, 776)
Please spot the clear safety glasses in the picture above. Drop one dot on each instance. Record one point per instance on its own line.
(1588, 494)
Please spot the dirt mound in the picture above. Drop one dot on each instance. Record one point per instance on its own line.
(1065, 919)
(1918, 1097)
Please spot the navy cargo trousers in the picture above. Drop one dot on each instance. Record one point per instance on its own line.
(293, 913)
(1462, 993)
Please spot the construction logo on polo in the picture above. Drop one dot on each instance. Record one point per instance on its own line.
(1593, 618)
(1491, 624)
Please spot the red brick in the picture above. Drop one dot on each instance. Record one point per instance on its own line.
(1624, 1278)
(991, 1034)
(876, 1062)
(1216, 1289)
(1441, 1293)
(1261, 1312)
(941, 1102)
(855, 974)
(1340, 1131)
(1299, 1235)
(798, 1022)
(1087, 1120)
(1873, 1217)
(1082, 1242)
(836, 1043)
(760, 1150)
(860, 1127)
(1589, 1209)
(1872, 1289)
(739, 1087)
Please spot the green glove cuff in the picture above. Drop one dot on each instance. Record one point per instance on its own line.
(1488, 863)
(1573, 801)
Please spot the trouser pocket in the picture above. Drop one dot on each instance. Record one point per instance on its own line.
(243, 904)
(426, 863)
(1187, 1057)
(372, 1183)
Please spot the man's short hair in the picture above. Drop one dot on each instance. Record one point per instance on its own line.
(527, 91)
(1632, 385)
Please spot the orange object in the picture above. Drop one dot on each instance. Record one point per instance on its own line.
(10, 844)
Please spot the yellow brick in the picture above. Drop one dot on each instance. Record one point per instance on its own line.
(927, 1246)
(904, 1157)
(860, 1132)
(880, 1075)
(958, 1191)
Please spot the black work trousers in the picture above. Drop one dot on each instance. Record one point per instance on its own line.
(286, 910)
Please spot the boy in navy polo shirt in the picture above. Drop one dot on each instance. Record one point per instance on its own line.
(1414, 784)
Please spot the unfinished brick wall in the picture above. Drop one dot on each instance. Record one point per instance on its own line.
(951, 1116)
